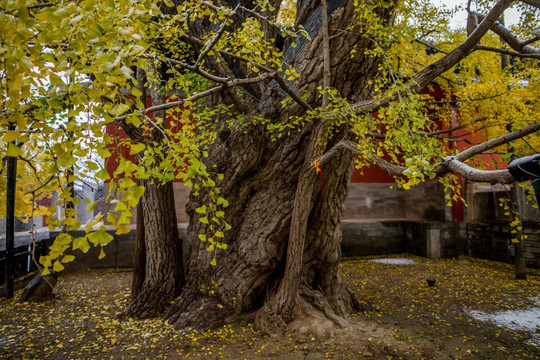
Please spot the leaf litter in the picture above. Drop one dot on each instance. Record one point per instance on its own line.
(411, 320)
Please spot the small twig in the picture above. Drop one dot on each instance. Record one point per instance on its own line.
(89, 185)
(422, 133)
(427, 33)
(279, 79)
(39, 6)
(214, 41)
(183, 101)
(198, 70)
(29, 164)
(431, 46)
(41, 186)
(156, 126)
(256, 14)
(36, 6)
(464, 139)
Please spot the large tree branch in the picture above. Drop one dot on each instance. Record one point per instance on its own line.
(507, 52)
(498, 141)
(396, 170)
(510, 38)
(429, 73)
(472, 174)
(293, 94)
(426, 75)
(228, 84)
(531, 40)
(450, 164)
(535, 3)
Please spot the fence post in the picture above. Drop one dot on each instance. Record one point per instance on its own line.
(11, 179)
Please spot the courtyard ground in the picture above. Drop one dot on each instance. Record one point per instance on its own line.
(451, 320)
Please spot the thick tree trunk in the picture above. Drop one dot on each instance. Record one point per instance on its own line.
(139, 258)
(266, 182)
(158, 276)
(139, 261)
(163, 271)
(250, 272)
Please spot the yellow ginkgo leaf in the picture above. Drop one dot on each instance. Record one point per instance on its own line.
(58, 266)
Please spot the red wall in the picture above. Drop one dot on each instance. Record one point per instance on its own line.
(115, 148)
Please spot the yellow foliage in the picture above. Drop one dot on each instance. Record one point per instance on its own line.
(67, 66)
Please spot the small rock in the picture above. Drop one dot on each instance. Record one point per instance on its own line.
(39, 287)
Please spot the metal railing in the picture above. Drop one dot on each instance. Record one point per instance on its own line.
(22, 262)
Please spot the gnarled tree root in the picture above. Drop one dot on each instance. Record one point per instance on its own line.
(311, 313)
(148, 303)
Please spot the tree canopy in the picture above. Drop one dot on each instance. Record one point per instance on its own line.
(351, 74)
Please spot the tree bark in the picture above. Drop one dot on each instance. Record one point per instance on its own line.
(260, 184)
(281, 263)
(266, 180)
(164, 273)
(139, 260)
(520, 268)
(158, 276)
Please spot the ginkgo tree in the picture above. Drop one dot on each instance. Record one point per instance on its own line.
(31, 180)
(278, 100)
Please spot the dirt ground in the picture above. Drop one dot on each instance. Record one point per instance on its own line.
(412, 320)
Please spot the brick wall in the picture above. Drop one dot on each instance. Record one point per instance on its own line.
(377, 201)
(493, 241)
(430, 239)
(439, 239)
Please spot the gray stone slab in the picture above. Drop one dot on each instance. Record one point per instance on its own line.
(25, 237)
